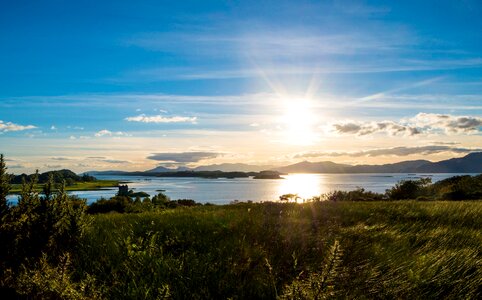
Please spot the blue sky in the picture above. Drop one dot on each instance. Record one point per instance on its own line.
(112, 84)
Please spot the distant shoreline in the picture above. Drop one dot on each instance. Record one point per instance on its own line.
(78, 186)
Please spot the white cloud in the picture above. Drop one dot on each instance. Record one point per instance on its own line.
(366, 128)
(161, 119)
(421, 123)
(105, 132)
(449, 124)
(9, 126)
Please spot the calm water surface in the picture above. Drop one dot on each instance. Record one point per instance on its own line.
(222, 191)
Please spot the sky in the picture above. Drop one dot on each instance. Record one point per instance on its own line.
(129, 85)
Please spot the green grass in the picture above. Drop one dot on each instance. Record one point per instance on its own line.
(77, 186)
(405, 249)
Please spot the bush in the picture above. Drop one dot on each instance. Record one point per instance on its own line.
(44, 227)
(409, 189)
(357, 195)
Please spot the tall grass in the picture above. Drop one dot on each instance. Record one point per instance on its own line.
(318, 250)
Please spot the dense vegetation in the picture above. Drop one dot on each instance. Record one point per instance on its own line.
(70, 180)
(49, 247)
(464, 187)
(57, 176)
(247, 251)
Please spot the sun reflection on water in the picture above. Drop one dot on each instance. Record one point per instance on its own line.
(304, 185)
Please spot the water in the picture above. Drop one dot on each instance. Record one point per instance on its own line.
(222, 191)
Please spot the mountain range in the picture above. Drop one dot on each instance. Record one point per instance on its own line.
(471, 163)
(239, 167)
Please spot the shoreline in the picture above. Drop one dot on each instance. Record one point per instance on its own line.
(78, 186)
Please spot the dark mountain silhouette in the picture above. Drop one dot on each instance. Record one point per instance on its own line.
(471, 163)
(314, 167)
(227, 167)
(400, 167)
(160, 169)
(233, 168)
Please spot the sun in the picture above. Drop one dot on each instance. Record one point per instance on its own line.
(298, 121)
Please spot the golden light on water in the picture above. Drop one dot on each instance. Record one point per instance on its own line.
(304, 185)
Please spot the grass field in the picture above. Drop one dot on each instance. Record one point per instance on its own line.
(77, 186)
(402, 249)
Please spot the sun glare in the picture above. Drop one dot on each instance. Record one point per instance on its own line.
(304, 185)
(299, 121)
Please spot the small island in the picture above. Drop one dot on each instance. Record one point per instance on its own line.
(268, 175)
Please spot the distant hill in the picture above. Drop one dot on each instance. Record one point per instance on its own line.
(239, 167)
(227, 167)
(58, 176)
(314, 167)
(471, 163)
(400, 167)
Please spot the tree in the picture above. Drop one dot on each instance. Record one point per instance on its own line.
(409, 189)
(289, 198)
(161, 200)
(4, 187)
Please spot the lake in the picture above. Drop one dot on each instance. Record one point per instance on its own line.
(223, 191)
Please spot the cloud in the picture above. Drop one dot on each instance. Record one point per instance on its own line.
(9, 126)
(18, 166)
(388, 127)
(161, 119)
(115, 161)
(60, 158)
(53, 166)
(105, 132)
(397, 151)
(183, 157)
(53, 127)
(450, 124)
(75, 127)
(421, 123)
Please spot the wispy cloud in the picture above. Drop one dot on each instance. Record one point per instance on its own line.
(53, 166)
(105, 132)
(116, 161)
(9, 126)
(17, 166)
(383, 94)
(161, 119)
(183, 157)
